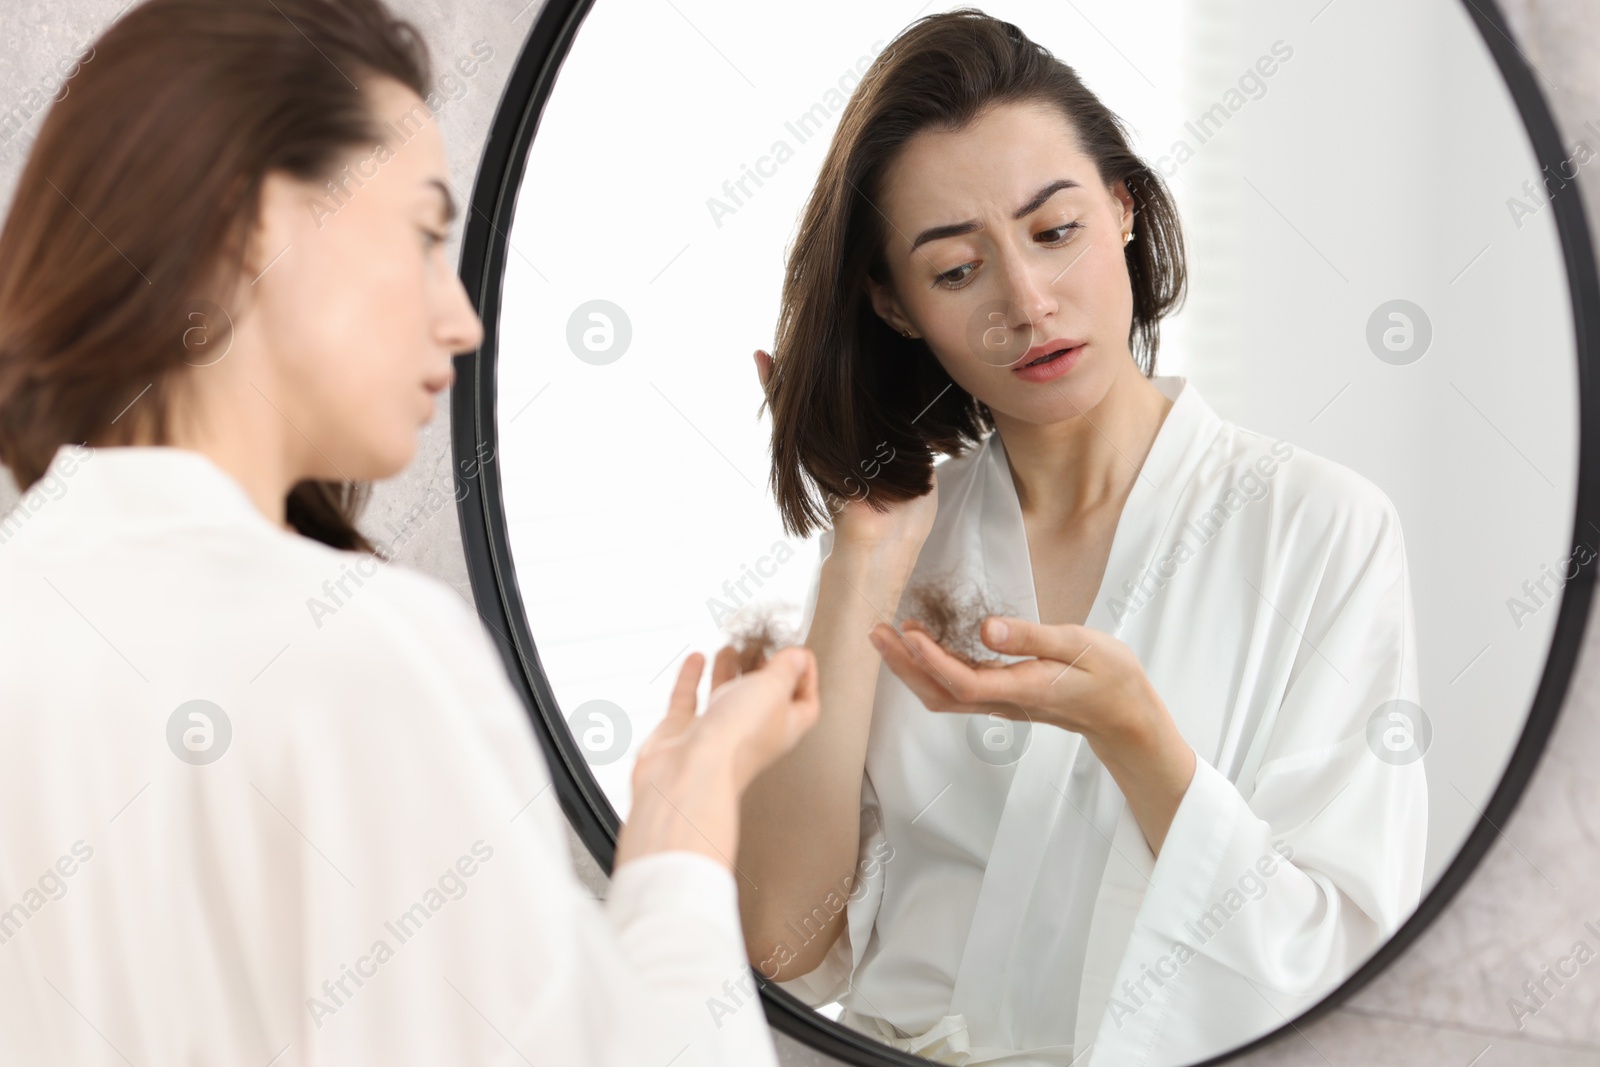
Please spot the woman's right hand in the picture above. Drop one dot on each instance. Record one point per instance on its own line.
(897, 533)
(692, 770)
(893, 535)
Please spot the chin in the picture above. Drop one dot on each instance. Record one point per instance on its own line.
(396, 462)
(1071, 398)
(1083, 391)
(383, 459)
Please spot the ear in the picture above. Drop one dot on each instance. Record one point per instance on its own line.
(282, 197)
(887, 306)
(1124, 195)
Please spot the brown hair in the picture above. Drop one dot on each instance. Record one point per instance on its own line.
(949, 607)
(131, 212)
(756, 632)
(952, 611)
(845, 386)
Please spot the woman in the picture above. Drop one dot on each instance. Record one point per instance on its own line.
(1155, 829)
(268, 801)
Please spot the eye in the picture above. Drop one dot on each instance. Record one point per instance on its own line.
(954, 279)
(957, 277)
(432, 239)
(1066, 230)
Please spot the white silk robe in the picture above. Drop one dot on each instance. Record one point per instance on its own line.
(1012, 911)
(374, 870)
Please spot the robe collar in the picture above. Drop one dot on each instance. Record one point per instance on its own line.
(87, 489)
(1011, 895)
(1179, 444)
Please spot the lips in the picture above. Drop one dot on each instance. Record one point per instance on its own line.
(1042, 352)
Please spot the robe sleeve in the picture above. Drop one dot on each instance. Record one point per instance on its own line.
(421, 768)
(1290, 880)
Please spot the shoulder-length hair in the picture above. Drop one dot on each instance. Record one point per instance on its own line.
(132, 211)
(858, 411)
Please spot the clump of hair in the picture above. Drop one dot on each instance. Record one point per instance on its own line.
(952, 611)
(757, 632)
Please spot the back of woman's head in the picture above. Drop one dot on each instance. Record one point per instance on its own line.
(847, 391)
(128, 225)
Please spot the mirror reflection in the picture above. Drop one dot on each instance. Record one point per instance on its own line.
(1217, 349)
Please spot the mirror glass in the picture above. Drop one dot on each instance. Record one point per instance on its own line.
(1376, 307)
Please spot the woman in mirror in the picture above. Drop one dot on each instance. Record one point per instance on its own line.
(269, 799)
(1171, 795)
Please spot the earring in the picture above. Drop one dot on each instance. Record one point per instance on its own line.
(1127, 237)
(905, 333)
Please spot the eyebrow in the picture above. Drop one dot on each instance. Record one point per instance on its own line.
(449, 201)
(956, 229)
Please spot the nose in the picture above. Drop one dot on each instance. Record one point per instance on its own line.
(459, 329)
(1028, 287)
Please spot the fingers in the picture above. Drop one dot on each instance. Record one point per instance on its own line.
(795, 668)
(789, 678)
(945, 683)
(680, 711)
(725, 667)
(806, 690)
(797, 687)
(761, 714)
(789, 675)
(910, 658)
(681, 705)
(1019, 637)
(804, 707)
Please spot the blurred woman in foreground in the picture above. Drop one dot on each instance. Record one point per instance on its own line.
(237, 830)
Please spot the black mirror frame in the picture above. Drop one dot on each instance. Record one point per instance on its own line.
(499, 599)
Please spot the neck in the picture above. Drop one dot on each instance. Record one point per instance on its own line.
(1090, 459)
(263, 472)
(251, 440)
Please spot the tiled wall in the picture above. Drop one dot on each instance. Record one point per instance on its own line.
(1445, 1001)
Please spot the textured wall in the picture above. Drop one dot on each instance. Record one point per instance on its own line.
(1445, 1002)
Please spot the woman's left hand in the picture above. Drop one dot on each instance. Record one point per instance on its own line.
(1079, 679)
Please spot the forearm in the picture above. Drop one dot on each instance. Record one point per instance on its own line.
(1152, 765)
(802, 817)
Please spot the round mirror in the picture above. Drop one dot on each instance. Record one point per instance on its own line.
(1244, 344)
